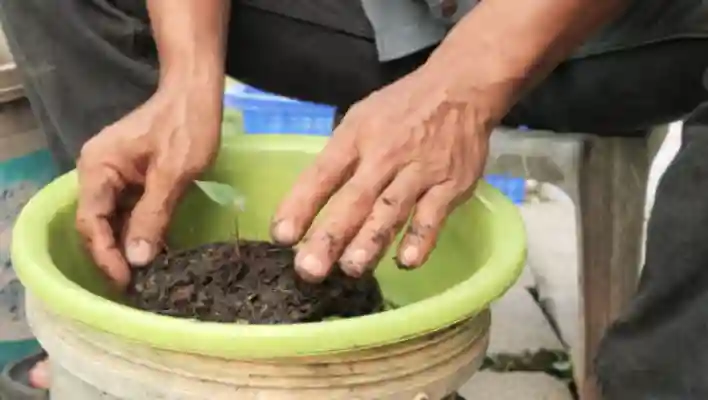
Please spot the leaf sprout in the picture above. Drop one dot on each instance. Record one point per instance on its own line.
(225, 196)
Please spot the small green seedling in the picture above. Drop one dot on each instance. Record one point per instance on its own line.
(225, 196)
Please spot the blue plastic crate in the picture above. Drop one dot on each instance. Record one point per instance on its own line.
(514, 188)
(265, 113)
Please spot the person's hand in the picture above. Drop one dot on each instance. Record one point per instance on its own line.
(415, 147)
(161, 147)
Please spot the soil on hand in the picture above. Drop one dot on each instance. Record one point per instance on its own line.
(256, 284)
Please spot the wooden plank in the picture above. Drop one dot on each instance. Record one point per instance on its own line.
(613, 178)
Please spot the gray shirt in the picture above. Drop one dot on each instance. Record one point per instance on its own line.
(405, 26)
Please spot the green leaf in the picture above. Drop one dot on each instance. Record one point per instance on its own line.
(222, 194)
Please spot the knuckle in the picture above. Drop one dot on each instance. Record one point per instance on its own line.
(447, 191)
(93, 146)
(86, 153)
(386, 158)
(166, 174)
(179, 172)
(437, 213)
(354, 112)
(82, 226)
(389, 213)
(400, 222)
(382, 238)
(441, 170)
(419, 230)
(317, 172)
(359, 196)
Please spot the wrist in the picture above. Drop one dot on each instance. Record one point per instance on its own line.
(485, 101)
(191, 41)
(193, 92)
(192, 73)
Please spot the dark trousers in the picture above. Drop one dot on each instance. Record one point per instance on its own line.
(87, 63)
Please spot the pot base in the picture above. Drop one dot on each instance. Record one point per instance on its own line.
(88, 364)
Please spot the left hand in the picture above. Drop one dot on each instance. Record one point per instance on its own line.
(417, 146)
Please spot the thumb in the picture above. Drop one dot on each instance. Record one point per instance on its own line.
(151, 216)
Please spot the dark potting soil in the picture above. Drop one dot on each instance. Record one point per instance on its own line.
(256, 285)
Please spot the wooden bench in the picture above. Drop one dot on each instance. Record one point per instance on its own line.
(607, 178)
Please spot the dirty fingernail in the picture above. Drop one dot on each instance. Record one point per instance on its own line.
(354, 262)
(284, 231)
(139, 253)
(357, 257)
(409, 256)
(312, 266)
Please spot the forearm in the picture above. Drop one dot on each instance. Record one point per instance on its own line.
(191, 40)
(503, 47)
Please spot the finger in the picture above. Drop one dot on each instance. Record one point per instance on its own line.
(151, 216)
(39, 375)
(312, 190)
(99, 188)
(125, 203)
(428, 219)
(389, 214)
(345, 214)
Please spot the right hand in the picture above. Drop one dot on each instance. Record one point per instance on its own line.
(162, 146)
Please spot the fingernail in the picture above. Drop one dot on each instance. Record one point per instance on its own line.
(358, 256)
(139, 253)
(312, 266)
(284, 231)
(409, 256)
(354, 262)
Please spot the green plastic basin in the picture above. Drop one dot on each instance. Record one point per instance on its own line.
(479, 255)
